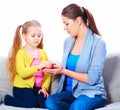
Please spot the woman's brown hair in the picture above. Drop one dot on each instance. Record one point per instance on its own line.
(73, 11)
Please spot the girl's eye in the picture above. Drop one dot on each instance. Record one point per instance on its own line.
(39, 36)
(33, 35)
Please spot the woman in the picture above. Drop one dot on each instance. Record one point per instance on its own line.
(81, 86)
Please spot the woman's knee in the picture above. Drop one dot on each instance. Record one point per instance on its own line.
(79, 104)
(49, 103)
(76, 106)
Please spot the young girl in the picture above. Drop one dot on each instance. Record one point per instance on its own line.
(25, 64)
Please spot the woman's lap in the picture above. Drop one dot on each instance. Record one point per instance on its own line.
(66, 101)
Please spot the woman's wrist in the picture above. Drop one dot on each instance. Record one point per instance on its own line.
(62, 71)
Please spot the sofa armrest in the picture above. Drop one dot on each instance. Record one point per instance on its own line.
(111, 74)
(5, 85)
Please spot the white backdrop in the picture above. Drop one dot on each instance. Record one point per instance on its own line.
(48, 13)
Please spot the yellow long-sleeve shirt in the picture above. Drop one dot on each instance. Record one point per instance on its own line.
(25, 73)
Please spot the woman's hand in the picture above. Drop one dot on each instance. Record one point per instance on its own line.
(56, 69)
(44, 91)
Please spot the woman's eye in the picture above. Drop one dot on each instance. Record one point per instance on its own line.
(67, 24)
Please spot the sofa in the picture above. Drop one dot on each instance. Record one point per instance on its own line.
(111, 74)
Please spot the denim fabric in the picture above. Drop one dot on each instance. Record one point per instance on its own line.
(40, 99)
(66, 101)
(60, 101)
(25, 97)
(83, 102)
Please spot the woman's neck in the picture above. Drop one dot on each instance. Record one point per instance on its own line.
(82, 33)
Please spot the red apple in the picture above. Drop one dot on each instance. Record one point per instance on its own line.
(51, 66)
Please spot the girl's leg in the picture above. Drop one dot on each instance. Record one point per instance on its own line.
(22, 97)
(39, 98)
(60, 101)
(85, 103)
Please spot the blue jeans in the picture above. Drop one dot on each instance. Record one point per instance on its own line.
(66, 101)
(25, 97)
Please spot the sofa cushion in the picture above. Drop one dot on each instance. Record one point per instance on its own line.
(54, 83)
(113, 106)
(5, 107)
(111, 74)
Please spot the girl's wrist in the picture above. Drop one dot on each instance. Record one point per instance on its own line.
(39, 67)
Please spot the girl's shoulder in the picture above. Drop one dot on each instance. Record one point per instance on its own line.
(42, 51)
(21, 51)
(43, 54)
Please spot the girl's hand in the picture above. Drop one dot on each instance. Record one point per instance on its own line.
(44, 91)
(44, 64)
(56, 69)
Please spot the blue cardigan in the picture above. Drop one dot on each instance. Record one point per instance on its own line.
(91, 61)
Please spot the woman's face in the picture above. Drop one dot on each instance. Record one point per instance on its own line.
(71, 26)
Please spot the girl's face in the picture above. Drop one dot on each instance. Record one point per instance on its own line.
(33, 36)
(71, 26)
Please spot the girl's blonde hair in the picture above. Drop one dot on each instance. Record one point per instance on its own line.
(17, 44)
